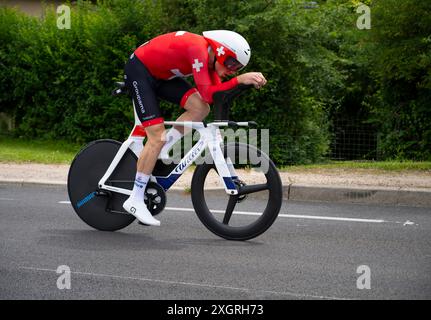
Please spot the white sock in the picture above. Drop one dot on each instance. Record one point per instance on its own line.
(141, 181)
(172, 137)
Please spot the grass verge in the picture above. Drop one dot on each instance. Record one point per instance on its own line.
(363, 165)
(61, 152)
(37, 151)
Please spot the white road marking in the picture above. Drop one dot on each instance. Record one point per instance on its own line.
(288, 215)
(282, 215)
(6, 199)
(193, 284)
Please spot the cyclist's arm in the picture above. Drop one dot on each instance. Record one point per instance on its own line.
(207, 84)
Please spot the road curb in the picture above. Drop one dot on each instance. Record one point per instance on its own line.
(297, 192)
(364, 195)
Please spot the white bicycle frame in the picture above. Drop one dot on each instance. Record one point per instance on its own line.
(210, 136)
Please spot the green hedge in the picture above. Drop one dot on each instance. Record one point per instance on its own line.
(399, 54)
(57, 83)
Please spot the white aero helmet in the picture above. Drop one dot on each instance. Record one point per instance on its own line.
(230, 48)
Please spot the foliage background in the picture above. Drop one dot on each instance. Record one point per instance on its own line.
(320, 66)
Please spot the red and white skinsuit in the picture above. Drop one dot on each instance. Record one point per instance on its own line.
(182, 54)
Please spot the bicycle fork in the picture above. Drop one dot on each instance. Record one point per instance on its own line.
(224, 166)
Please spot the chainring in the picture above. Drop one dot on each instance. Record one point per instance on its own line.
(155, 198)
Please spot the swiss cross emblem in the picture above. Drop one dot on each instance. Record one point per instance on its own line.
(220, 51)
(197, 65)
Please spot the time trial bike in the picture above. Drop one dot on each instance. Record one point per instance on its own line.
(102, 175)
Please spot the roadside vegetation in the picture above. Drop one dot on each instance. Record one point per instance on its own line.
(37, 151)
(321, 69)
(61, 152)
(360, 166)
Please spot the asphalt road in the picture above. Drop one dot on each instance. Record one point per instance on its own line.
(313, 251)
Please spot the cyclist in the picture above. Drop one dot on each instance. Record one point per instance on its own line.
(156, 70)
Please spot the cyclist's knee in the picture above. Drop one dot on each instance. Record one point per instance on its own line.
(155, 135)
(205, 110)
(196, 106)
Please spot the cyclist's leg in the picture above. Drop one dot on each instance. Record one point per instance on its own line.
(141, 85)
(179, 91)
(196, 108)
(148, 158)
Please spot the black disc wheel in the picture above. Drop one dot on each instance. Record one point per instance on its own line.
(256, 206)
(99, 209)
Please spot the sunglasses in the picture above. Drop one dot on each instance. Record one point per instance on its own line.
(232, 64)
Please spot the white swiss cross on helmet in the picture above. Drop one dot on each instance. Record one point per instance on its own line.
(230, 48)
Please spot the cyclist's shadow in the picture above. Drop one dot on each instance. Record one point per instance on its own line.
(93, 240)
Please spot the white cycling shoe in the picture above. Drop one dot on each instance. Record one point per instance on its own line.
(140, 211)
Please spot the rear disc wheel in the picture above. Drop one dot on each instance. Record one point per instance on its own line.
(99, 209)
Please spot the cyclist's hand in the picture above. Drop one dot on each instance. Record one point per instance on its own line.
(255, 78)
